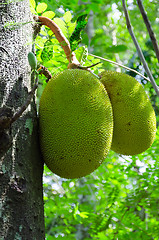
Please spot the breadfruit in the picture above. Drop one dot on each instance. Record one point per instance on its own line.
(76, 123)
(134, 118)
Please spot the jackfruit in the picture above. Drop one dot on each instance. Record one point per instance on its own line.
(134, 118)
(76, 123)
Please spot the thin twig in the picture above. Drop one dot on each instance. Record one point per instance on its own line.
(149, 28)
(120, 65)
(84, 67)
(43, 70)
(139, 49)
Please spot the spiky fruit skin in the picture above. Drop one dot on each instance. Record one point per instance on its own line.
(76, 123)
(134, 117)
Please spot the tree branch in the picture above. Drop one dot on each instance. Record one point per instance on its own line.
(73, 62)
(149, 28)
(139, 49)
(60, 37)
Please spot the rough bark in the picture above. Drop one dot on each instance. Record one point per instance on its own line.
(21, 167)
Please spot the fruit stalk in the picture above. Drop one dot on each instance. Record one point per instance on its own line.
(61, 38)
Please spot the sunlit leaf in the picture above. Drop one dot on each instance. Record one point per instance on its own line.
(81, 54)
(32, 3)
(67, 16)
(62, 25)
(48, 14)
(71, 27)
(109, 166)
(83, 214)
(41, 7)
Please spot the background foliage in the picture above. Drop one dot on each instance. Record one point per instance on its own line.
(120, 199)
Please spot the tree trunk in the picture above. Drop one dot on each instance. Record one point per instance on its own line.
(21, 167)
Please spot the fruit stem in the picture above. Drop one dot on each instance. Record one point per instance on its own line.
(60, 37)
(73, 62)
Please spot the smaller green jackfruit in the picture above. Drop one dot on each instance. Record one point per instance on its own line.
(133, 115)
(76, 123)
(32, 60)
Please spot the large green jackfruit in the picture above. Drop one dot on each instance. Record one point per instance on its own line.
(134, 117)
(76, 123)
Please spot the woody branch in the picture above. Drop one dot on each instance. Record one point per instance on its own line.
(60, 37)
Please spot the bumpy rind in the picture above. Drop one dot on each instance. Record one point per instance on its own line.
(76, 123)
(133, 114)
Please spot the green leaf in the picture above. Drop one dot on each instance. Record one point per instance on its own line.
(71, 27)
(32, 3)
(75, 38)
(48, 14)
(47, 53)
(41, 7)
(32, 6)
(67, 16)
(138, 208)
(81, 54)
(83, 214)
(62, 25)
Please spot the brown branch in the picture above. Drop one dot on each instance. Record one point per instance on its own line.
(73, 62)
(139, 51)
(43, 70)
(149, 28)
(60, 37)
